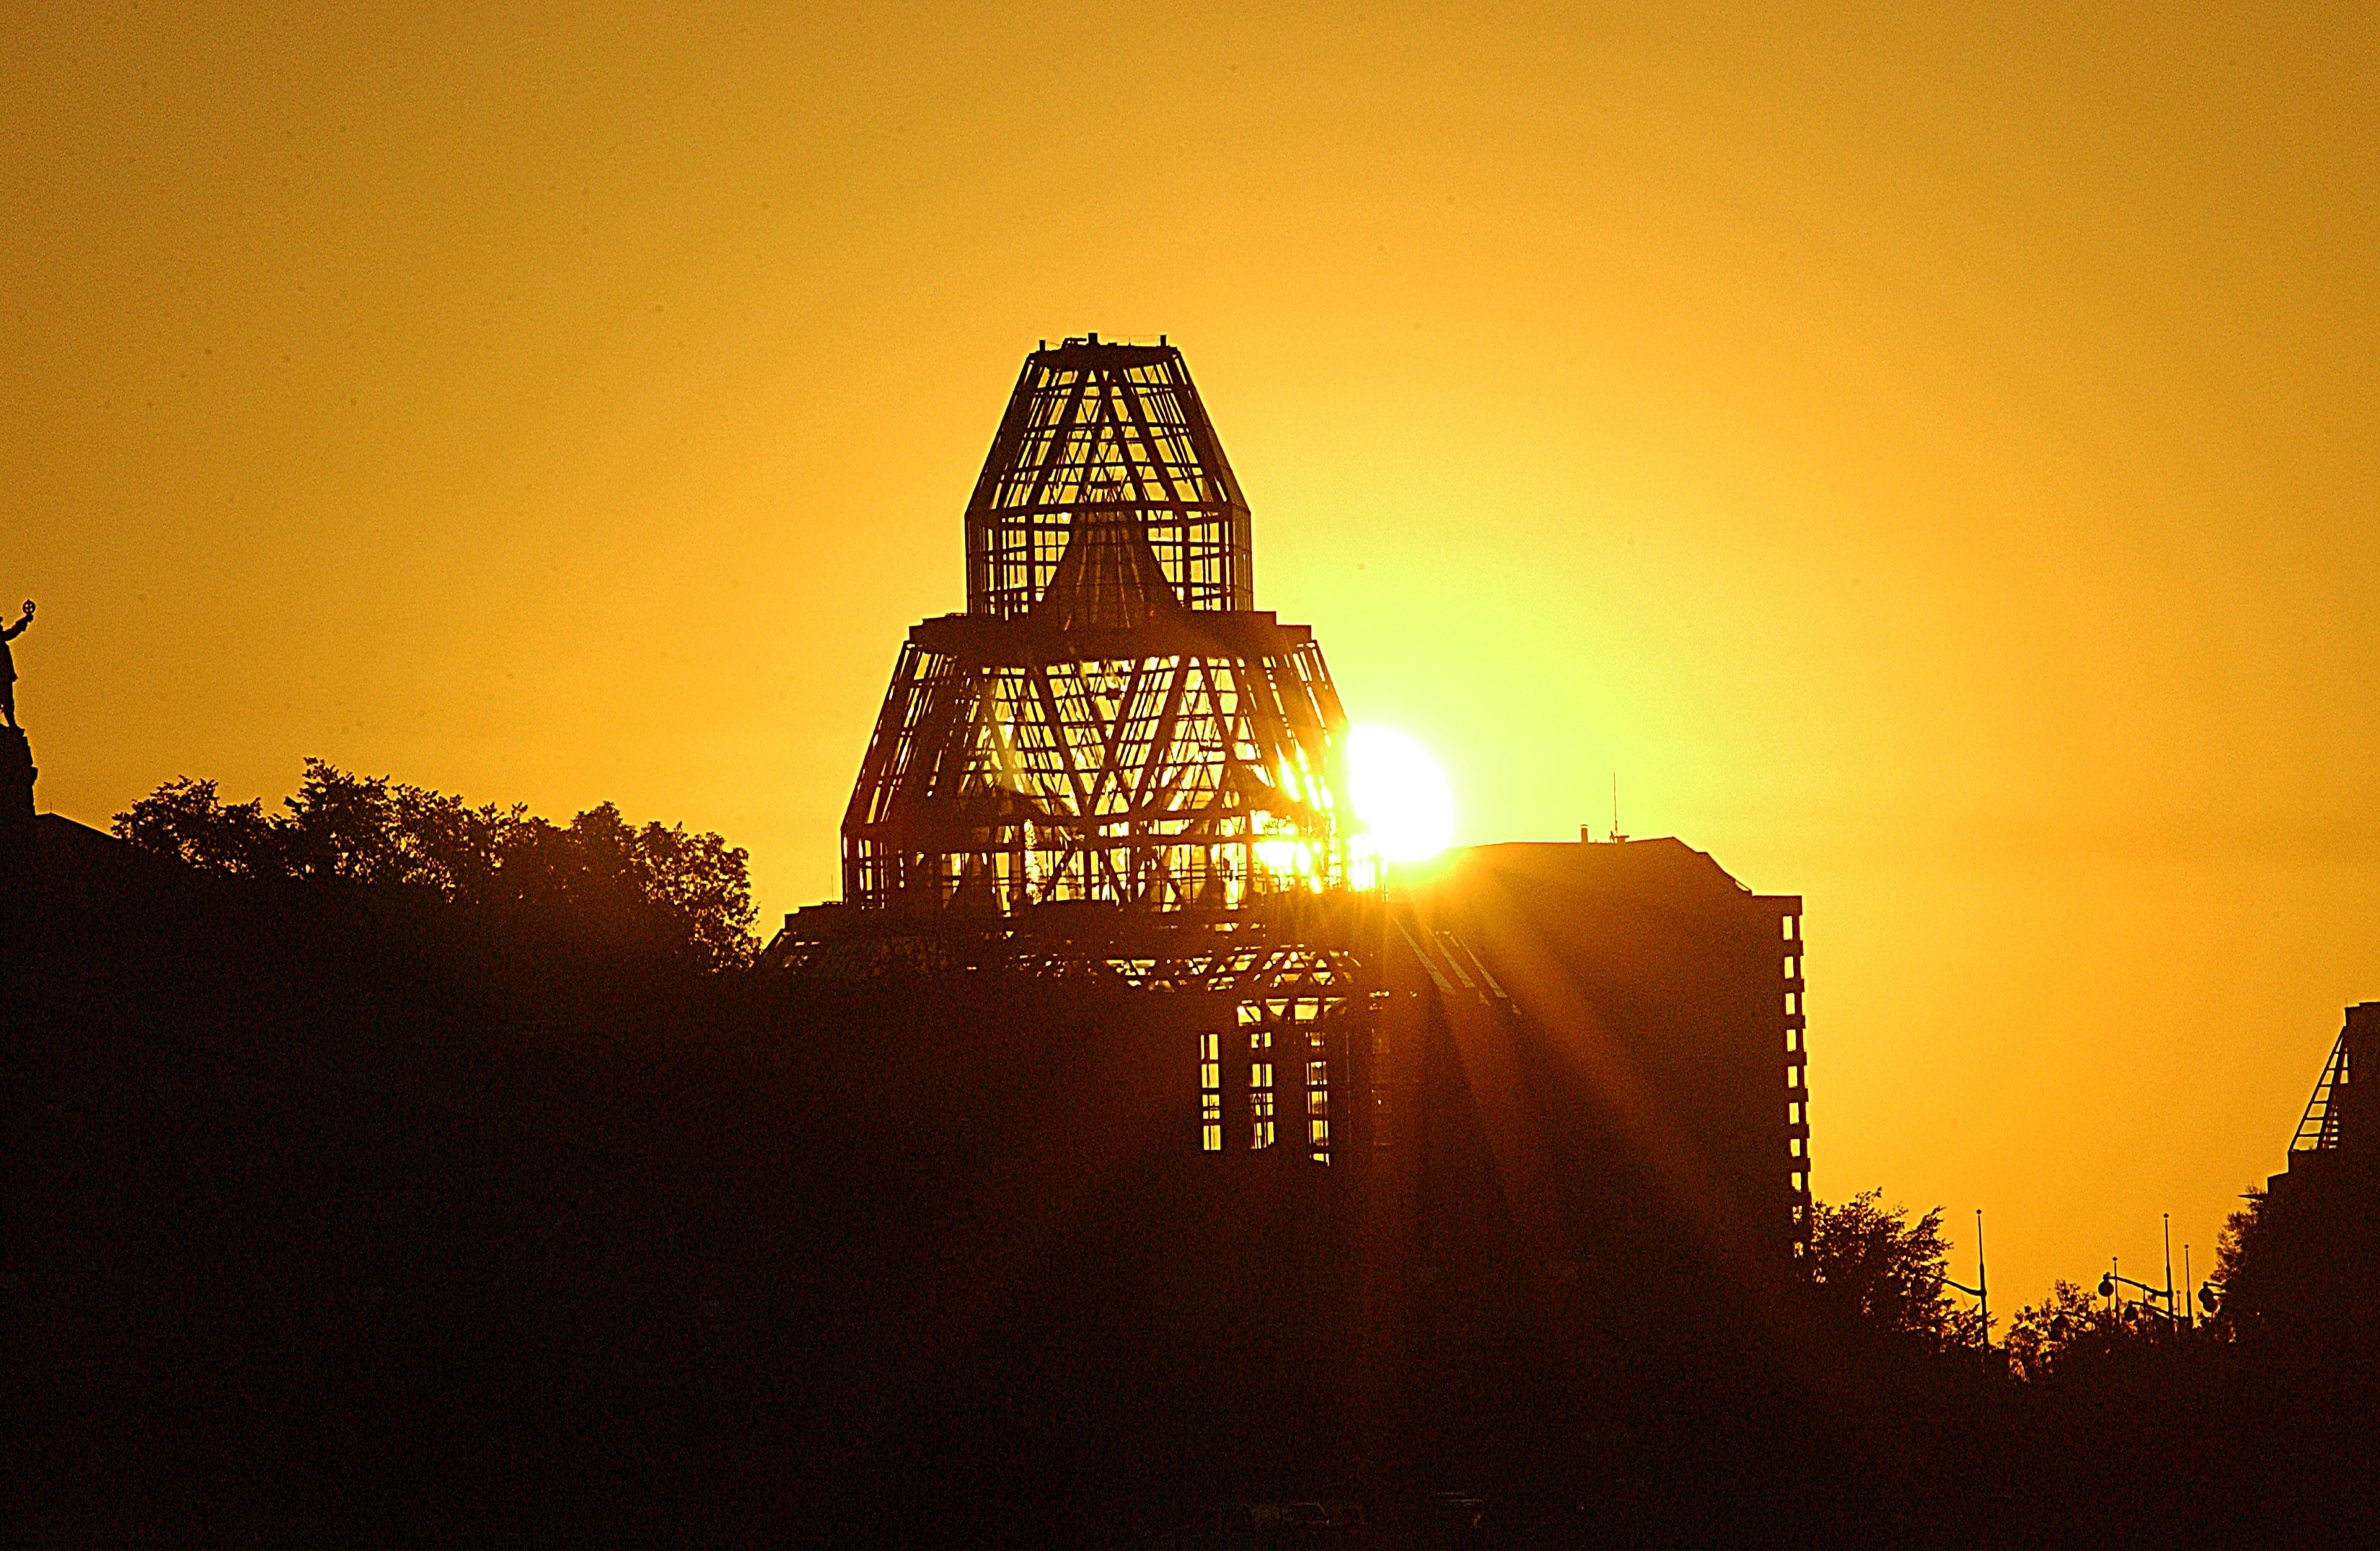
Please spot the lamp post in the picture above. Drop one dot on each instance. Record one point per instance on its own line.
(2168, 1268)
(2110, 1284)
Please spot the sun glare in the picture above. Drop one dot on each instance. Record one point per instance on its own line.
(1400, 794)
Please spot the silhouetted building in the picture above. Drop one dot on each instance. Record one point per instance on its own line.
(2302, 1267)
(1113, 770)
(2341, 1125)
(1111, 720)
(1666, 999)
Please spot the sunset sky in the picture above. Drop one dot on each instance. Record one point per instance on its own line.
(1927, 454)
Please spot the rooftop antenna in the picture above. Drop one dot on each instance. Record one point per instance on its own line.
(1616, 836)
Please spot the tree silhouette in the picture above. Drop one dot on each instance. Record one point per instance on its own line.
(624, 883)
(184, 820)
(2044, 1334)
(1878, 1271)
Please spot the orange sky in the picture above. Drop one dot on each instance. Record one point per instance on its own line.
(1930, 458)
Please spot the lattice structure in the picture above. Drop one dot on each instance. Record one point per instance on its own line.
(2339, 1114)
(1108, 720)
(1113, 770)
(1121, 419)
(2319, 1128)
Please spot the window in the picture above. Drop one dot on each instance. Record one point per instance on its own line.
(1260, 1112)
(1211, 1092)
(1317, 1106)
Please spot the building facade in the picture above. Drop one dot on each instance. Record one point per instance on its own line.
(1113, 770)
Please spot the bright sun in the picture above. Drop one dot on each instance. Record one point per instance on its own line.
(1400, 794)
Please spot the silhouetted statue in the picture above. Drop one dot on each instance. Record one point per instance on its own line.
(8, 664)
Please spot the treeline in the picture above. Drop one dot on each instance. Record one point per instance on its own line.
(2098, 1419)
(2301, 1274)
(1873, 1269)
(659, 888)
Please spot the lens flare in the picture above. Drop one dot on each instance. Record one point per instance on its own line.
(1400, 794)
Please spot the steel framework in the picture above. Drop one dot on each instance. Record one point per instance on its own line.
(1087, 417)
(2339, 1114)
(1110, 719)
(1112, 769)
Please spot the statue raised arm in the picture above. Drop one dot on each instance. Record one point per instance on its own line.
(8, 664)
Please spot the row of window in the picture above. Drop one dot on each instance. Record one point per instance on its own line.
(1263, 1119)
(1797, 1112)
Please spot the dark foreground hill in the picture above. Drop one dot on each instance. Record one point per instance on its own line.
(336, 1217)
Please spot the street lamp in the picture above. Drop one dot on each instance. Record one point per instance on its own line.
(2109, 1283)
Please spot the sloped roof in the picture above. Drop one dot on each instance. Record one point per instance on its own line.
(1108, 578)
